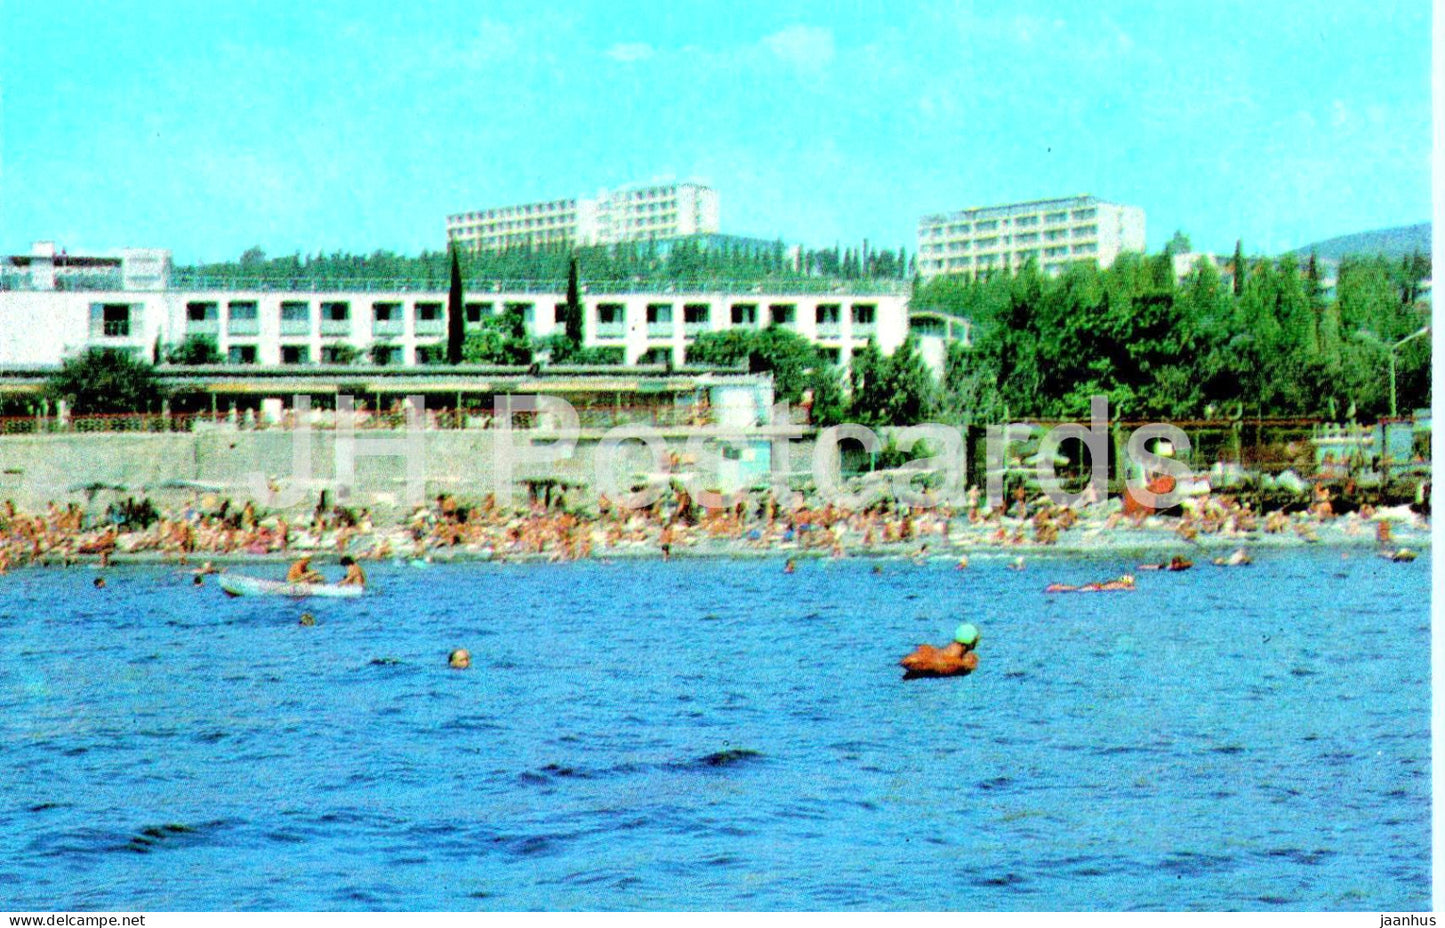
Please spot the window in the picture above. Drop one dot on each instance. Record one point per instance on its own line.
(295, 354)
(337, 354)
(336, 311)
(559, 313)
(1085, 213)
(241, 354)
(110, 320)
(528, 311)
(986, 226)
(864, 313)
(1086, 231)
(386, 312)
(659, 313)
(829, 314)
(428, 312)
(783, 313)
(292, 311)
(745, 314)
(610, 313)
(475, 312)
(696, 314)
(242, 311)
(202, 312)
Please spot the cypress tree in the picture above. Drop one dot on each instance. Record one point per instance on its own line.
(572, 315)
(1238, 267)
(456, 329)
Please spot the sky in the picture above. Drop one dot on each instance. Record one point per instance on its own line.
(318, 127)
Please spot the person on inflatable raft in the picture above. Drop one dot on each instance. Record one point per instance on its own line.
(958, 658)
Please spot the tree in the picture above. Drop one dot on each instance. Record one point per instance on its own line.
(1178, 245)
(911, 395)
(106, 380)
(501, 339)
(196, 349)
(456, 319)
(1238, 268)
(572, 313)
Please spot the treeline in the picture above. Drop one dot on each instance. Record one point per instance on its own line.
(688, 259)
(1268, 342)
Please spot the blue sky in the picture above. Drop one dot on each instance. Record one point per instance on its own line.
(357, 126)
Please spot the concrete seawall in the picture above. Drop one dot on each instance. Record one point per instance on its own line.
(261, 466)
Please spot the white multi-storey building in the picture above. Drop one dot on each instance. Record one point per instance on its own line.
(636, 213)
(1051, 233)
(52, 306)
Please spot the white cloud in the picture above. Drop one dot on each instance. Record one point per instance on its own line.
(630, 51)
(806, 47)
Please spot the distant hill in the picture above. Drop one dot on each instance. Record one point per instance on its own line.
(1392, 243)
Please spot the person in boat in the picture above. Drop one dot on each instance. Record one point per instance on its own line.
(354, 576)
(1124, 582)
(303, 572)
(958, 658)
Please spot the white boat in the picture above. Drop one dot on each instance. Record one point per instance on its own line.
(241, 585)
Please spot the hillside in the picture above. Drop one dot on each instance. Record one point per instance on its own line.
(1392, 243)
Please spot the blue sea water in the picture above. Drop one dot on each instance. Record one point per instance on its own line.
(720, 735)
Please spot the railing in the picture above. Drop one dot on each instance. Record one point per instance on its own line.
(335, 326)
(295, 326)
(611, 329)
(243, 327)
(593, 417)
(385, 327)
(203, 327)
(695, 328)
(430, 326)
(830, 330)
(659, 330)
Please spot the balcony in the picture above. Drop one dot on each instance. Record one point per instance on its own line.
(865, 329)
(430, 327)
(611, 330)
(659, 330)
(295, 326)
(691, 329)
(336, 327)
(243, 327)
(386, 327)
(830, 330)
(203, 327)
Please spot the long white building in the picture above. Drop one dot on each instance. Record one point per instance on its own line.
(53, 305)
(1052, 233)
(631, 214)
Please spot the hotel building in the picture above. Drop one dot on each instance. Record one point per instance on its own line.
(636, 213)
(53, 305)
(1052, 233)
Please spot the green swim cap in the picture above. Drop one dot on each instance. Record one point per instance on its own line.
(966, 634)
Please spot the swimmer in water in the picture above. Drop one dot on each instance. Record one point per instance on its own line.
(962, 562)
(460, 659)
(790, 567)
(99, 583)
(308, 619)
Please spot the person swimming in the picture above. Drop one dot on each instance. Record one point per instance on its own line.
(958, 658)
(1123, 582)
(460, 659)
(1238, 558)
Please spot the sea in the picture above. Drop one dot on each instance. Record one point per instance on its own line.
(719, 734)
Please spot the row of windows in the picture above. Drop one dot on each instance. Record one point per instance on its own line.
(526, 209)
(1019, 222)
(1021, 238)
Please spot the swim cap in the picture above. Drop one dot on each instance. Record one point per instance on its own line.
(966, 634)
